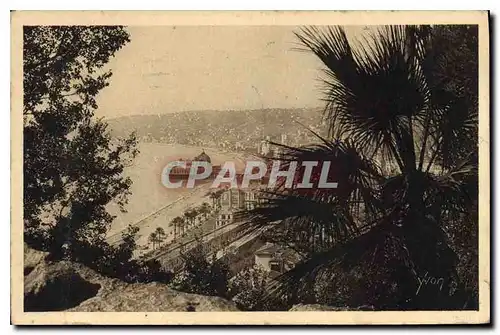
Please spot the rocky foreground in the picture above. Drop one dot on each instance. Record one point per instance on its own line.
(72, 287)
(67, 286)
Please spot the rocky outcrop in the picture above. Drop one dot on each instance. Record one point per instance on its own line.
(32, 258)
(317, 307)
(58, 286)
(152, 297)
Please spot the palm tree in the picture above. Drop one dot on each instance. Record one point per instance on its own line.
(177, 222)
(204, 209)
(399, 98)
(160, 233)
(194, 216)
(153, 239)
(213, 196)
(186, 220)
(189, 217)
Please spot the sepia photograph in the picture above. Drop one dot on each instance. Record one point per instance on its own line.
(255, 166)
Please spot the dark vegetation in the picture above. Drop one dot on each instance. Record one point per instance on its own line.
(202, 274)
(402, 117)
(211, 276)
(72, 165)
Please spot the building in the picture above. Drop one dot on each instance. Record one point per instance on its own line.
(182, 173)
(233, 200)
(275, 259)
(223, 218)
(203, 157)
(278, 153)
(284, 138)
(239, 146)
(265, 146)
(251, 199)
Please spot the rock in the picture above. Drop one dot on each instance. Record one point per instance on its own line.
(318, 307)
(68, 286)
(152, 297)
(56, 287)
(32, 258)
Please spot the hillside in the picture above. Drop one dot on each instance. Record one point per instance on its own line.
(229, 130)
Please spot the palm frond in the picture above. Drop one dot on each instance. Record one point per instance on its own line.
(394, 98)
(453, 194)
(322, 217)
(371, 91)
(369, 260)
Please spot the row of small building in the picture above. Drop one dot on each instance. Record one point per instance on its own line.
(270, 257)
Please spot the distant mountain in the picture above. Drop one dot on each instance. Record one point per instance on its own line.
(243, 129)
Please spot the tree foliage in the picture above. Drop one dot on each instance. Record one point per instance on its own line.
(248, 288)
(402, 115)
(202, 274)
(73, 168)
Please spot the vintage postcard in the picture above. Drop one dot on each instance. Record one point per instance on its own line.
(277, 168)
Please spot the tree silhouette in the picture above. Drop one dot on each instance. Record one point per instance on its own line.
(72, 166)
(153, 239)
(201, 275)
(204, 209)
(177, 222)
(393, 99)
(213, 196)
(160, 233)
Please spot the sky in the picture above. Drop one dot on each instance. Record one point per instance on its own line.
(166, 69)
